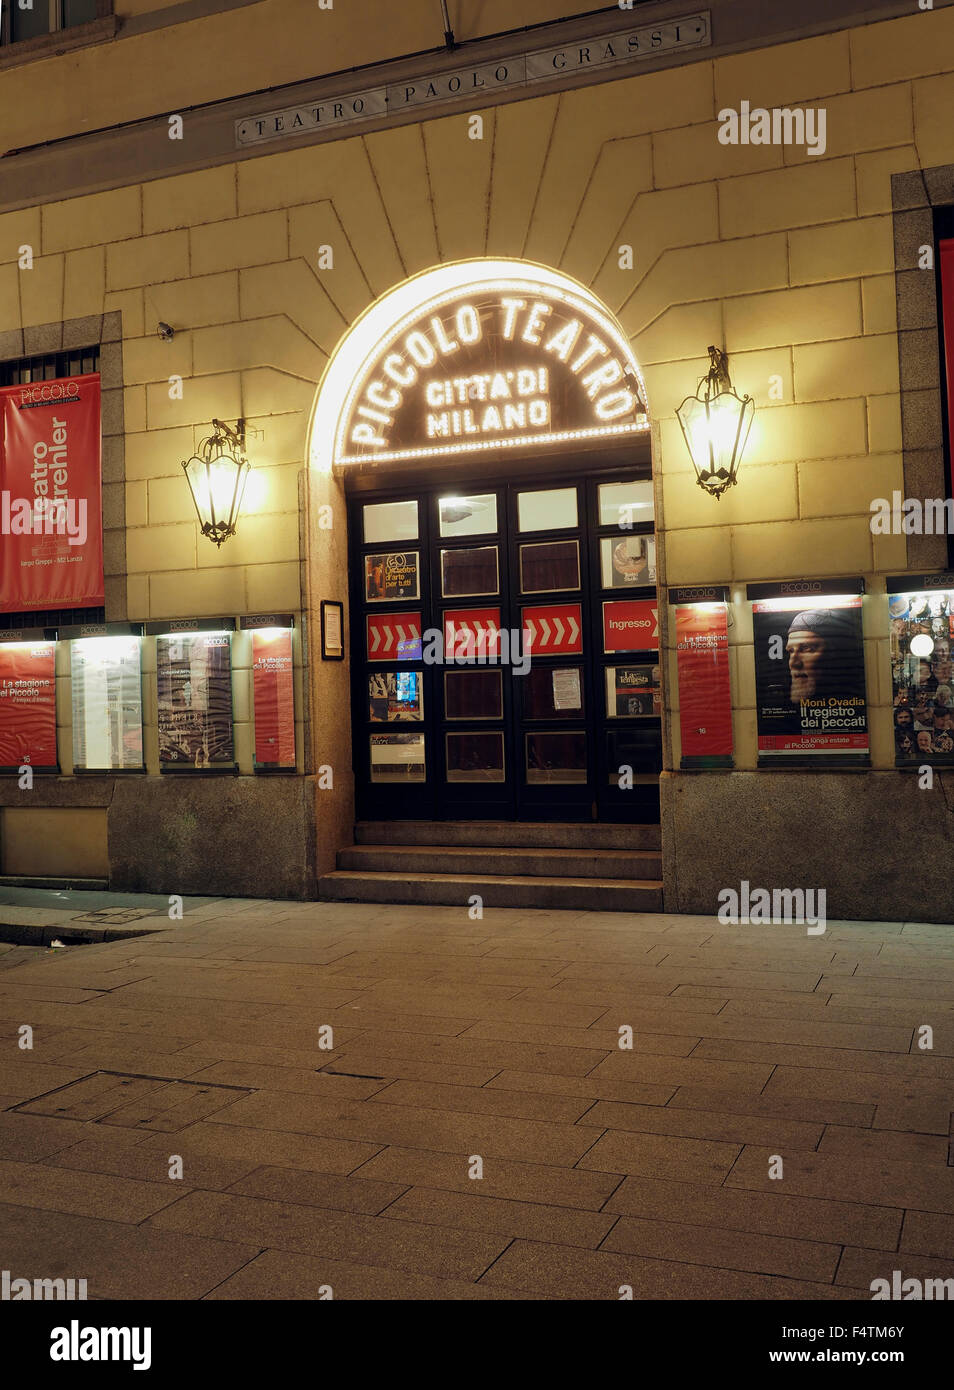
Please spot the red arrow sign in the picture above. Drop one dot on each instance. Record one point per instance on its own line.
(471, 631)
(555, 629)
(394, 637)
(631, 625)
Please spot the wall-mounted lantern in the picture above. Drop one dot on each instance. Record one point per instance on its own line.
(715, 423)
(217, 475)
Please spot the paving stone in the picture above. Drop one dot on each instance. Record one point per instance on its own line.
(307, 1230)
(900, 1063)
(679, 1071)
(562, 1272)
(319, 1190)
(606, 1038)
(118, 1261)
(26, 1079)
(295, 1079)
(529, 1220)
(926, 1187)
(584, 1086)
(822, 1111)
(655, 1155)
(928, 1233)
(859, 1268)
(484, 1100)
(29, 1138)
(841, 1141)
(771, 1213)
(914, 1116)
(702, 1124)
(524, 1182)
(263, 1146)
(56, 1189)
(121, 1153)
(277, 1274)
(724, 1249)
(854, 1086)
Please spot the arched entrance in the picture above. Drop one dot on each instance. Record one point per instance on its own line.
(487, 422)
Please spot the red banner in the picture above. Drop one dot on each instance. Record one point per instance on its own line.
(51, 495)
(471, 631)
(553, 629)
(394, 636)
(274, 690)
(631, 625)
(946, 256)
(705, 694)
(28, 704)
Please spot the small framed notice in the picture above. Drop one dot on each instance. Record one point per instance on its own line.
(332, 630)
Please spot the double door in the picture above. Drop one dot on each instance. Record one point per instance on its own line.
(505, 651)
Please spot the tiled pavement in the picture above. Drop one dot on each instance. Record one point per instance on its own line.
(458, 1043)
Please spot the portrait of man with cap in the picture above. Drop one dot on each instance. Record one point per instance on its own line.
(818, 651)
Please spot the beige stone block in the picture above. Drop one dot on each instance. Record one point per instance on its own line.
(269, 489)
(890, 553)
(400, 169)
(241, 241)
(266, 391)
(879, 304)
(766, 493)
(274, 588)
(793, 316)
(244, 744)
(715, 271)
(134, 408)
(160, 548)
(784, 74)
(137, 600)
(658, 221)
(669, 383)
(765, 376)
(137, 513)
(84, 282)
(96, 220)
(198, 593)
(799, 194)
(270, 539)
(900, 48)
(842, 250)
(693, 154)
(196, 302)
(785, 549)
(852, 367)
(170, 499)
(295, 289)
(147, 260)
(318, 225)
(131, 304)
(241, 681)
(204, 398)
(823, 429)
(272, 342)
(156, 453)
(846, 486)
(700, 556)
(189, 199)
(151, 359)
(522, 134)
(280, 439)
(873, 176)
(932, 118)
(10, 295)
(41, 292)
(678, 333)
(286, 177)
(742, 672)
(623, 168)
(18, 229)
(860, 121)
(884, 423)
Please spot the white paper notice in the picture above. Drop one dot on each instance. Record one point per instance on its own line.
(566, 690)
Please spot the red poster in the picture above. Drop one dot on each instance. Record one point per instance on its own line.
(631, 625)
(394, 636)
(554, 629)
(471, 631)
(946, 249)
(28, 704)
(51, 516)
(274, 690)
(705, 695)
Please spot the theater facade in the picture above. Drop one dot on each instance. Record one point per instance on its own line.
(487, 446)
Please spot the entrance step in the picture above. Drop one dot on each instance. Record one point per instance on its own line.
(455, 890)
(640, 865)
(517, 834)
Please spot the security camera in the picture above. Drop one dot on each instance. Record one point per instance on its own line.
(166, 333)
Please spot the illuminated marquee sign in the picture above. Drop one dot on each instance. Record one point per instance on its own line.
(503, 367)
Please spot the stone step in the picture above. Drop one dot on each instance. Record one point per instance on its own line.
(456, 890)
(496, 861)
(516, 834)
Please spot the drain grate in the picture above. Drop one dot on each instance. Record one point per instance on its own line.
(134, 1102)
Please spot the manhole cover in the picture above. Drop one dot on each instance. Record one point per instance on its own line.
(105, 916)
(134, 1102)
